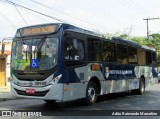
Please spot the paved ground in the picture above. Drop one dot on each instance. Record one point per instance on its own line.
(5, 93)
(122, 101)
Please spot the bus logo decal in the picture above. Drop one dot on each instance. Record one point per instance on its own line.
(107, 72)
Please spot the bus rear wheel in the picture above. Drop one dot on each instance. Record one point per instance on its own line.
(91, 93)
(141, 88)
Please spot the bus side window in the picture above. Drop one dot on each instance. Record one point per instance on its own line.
(122, 54)
(94, 49)
(109, 52)
(154, 58)
(148, 57)
(74, 49)
(141, 57)
(132, 55)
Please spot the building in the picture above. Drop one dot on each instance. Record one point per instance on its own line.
(5, 54)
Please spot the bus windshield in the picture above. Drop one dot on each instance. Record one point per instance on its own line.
(34, 54)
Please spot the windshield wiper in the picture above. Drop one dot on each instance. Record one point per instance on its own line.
(41, 43)
(23, 44)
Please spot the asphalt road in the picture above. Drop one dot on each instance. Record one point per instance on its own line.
(108, 103)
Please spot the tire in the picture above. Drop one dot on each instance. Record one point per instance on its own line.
(141, 88)
(91, 93)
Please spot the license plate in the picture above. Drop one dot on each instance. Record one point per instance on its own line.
(30, 91)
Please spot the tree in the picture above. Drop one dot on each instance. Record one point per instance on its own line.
(154, 40)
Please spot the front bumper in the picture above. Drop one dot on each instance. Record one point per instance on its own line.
(50, 92)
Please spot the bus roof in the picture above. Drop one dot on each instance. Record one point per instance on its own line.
(73, 28)
(65, 26)
(131, 43)
(126, 42)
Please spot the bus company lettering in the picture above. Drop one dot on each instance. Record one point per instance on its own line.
(120, 72)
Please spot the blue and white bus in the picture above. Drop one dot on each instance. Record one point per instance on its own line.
(61, 62)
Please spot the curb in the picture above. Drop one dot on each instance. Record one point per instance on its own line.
(5, 99)
(6, 95)
(10, 98)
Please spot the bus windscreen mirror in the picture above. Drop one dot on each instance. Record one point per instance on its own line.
(76, 57)
(24, 48)
(33, 48)
(3, 48)
(75, 44)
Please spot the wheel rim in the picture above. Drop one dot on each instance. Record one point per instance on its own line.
(91, 93)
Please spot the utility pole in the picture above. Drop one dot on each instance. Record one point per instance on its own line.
(147, 19)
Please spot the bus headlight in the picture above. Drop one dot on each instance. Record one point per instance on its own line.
(56, 79)
(13, 81)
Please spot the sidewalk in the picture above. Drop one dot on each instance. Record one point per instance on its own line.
(5, 93)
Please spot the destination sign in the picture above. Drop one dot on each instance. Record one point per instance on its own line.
(38, 30)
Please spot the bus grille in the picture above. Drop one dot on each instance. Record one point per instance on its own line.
(35, 94)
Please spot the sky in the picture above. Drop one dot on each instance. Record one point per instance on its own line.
(103, 16)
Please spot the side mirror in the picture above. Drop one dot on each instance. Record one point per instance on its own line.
(76, 57)
(3, 48)
(75, 44)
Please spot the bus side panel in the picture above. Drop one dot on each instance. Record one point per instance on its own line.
(122, 77)
(73, 91)
(119, 77)
(149, 73)
(113, 86)
(78, 79)
(116, 78)
(86, 74)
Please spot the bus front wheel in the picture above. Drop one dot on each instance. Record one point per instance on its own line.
(91, 93)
